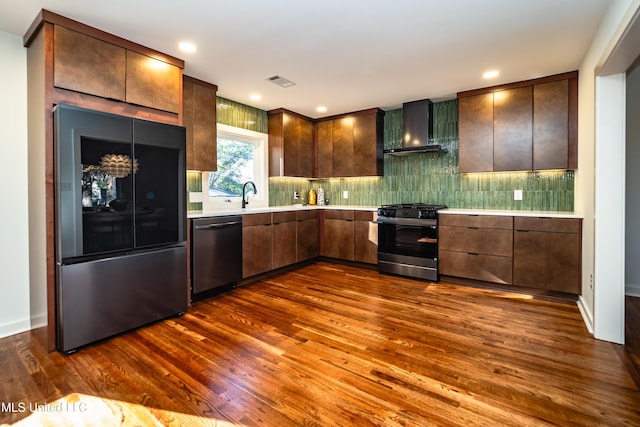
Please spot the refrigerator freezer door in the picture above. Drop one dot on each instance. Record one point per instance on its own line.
(102, 298)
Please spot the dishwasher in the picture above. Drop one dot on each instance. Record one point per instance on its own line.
(216, 254)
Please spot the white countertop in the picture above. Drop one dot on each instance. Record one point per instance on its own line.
(449, 211)
(236, 211)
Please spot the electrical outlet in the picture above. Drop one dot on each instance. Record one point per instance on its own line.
(296, 195)
(517, 194)
(345, 194)
(591, 281)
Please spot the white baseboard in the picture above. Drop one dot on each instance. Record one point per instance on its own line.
(633, 290)
(39, 321)
(15, 328)
(587, 316)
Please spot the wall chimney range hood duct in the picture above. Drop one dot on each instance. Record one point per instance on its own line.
(417, 119)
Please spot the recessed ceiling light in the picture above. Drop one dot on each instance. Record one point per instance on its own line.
(491, 74)
(255, 97)
(187, 47)
(321, 109)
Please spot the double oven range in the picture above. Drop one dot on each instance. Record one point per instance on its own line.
(408, 240)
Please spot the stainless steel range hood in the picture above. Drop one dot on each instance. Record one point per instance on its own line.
(417, 119)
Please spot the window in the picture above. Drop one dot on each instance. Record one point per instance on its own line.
(241, 158)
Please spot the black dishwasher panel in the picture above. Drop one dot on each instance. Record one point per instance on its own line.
(216, 252)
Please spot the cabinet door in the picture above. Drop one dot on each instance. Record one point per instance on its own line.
(338, 234)
(324, 139)
(551, 125)
(284, 239)
(291, 147)
(365, 238)
(153, 83)
(368, 145)
(308, 246)
(488, 268)
(512, 129)
(257, 241)
(547, 260)
(343, 147)
(475, 119)
(88, 65)
(199, 118)
(476, 240)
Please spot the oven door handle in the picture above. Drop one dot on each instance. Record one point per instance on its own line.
(409, 221)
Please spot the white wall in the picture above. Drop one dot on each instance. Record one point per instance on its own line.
(632, 204)
(15, 315)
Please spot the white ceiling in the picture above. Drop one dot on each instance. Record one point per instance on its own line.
(346, 54)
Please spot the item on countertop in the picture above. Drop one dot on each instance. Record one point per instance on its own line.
(312, 197)
(320, 196)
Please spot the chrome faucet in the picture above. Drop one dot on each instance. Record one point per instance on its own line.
(245, 202)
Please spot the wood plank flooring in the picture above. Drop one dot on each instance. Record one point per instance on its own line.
(328, 345)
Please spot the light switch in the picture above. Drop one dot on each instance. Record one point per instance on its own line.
(345, 194)
(517, 194)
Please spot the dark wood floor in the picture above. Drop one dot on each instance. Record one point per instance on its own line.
(336, 345)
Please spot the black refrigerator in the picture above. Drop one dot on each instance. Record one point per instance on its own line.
(120, 215)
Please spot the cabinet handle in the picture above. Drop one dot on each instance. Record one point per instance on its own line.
(473, 253)
(474, 228)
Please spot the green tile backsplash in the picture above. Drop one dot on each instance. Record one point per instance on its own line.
(434, 177)
(241, 116)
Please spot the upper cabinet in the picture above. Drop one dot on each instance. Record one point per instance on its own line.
(199, 117)
(92, 68)
(291, 147)
(530, 125)
(351, 144)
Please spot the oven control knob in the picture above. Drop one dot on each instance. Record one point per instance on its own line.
(427, 214)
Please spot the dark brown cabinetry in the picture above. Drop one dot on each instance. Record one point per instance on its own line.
(89, 65)
(351, 144)
(307, 235)
(257, 241)
(512, 129)
(365, 237)
(476, 247)
(291, 146)
(284, 239)
(199, 118)
(547, 253)
(475, 128)
(520, 126)
(86, 64)
(338, 234)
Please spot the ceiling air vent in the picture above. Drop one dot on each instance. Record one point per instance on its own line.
(281, 81)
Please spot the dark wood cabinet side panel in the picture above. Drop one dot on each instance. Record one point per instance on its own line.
(547, 260)
(476, 133)
(308, 239)
(187, 122)
(256, 250)
(284, 244)
(573, 123)
(366, 241)
(512, 131)
(204, 129)
(487, 268)
(551, 125)
(338, 239)
(88, 65)
(324, 143)
(475, 240)
(153, 83)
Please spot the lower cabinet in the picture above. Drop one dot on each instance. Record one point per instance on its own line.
(257, 241)
(476, 247)
(338, 234)
(547, 254)
(307, 235)
(366, 237)
(284, 239)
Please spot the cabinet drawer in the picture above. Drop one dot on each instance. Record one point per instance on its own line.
(557, 225)
(476, 240)
(256, 219)
(487, 268)
(302, 215)
(339, 214)
(479, 221)
(364, 215)
(288, 216)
